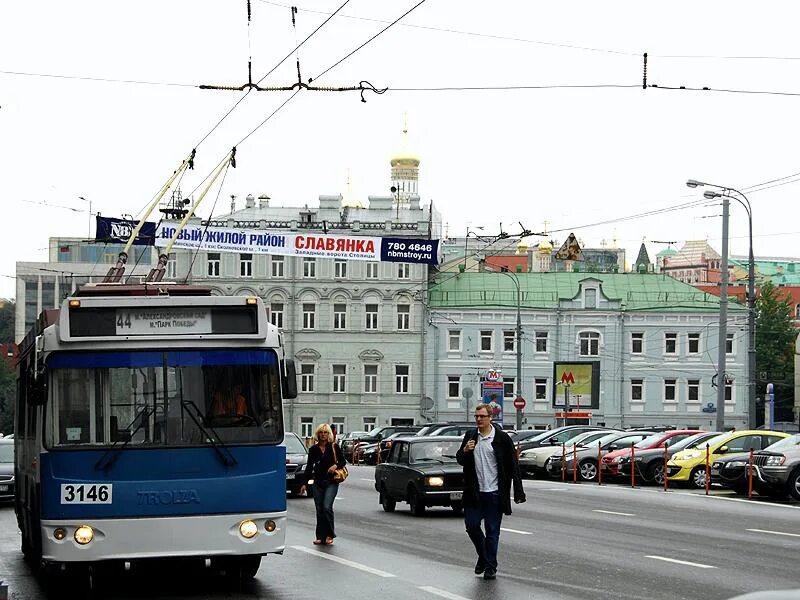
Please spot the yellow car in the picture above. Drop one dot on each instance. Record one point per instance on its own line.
(690, 465)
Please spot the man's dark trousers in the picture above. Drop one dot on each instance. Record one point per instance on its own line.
(491, 514)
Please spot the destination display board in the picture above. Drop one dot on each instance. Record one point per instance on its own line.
(163, 321)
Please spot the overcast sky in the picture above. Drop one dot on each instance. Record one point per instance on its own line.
(571, 156)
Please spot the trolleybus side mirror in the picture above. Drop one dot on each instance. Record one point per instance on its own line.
(288, 379)
(37, 394)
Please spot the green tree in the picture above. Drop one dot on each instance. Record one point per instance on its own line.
(7, 310)
(775, 339)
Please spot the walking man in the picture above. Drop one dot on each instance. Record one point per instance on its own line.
(490, 466)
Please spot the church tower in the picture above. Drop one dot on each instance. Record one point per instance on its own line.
(405, 171)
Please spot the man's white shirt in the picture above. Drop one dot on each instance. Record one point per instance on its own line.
(486, 463)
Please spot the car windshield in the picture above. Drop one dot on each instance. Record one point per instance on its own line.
(692, 441)
(294, 445)
(717, 439)
(608, 437)
(649, 440)
(584, 437)
(785, 443)
(435, 451)
(6, 453)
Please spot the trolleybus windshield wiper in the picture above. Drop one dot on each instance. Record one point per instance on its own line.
(111, 455)
(211, 435)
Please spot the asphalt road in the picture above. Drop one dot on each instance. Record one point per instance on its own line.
(567, 542)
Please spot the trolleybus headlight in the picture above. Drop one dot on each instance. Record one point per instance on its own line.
(60, 533)
(248, 528)
(270, 526)
(84, 534)
(435, 481)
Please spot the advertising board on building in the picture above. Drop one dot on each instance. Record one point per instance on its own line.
(492, 393)
(576, 385)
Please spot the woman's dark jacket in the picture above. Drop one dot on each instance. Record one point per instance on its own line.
(507, 470)
(319, 462)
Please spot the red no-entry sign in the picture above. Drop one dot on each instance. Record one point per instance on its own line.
(519, 403)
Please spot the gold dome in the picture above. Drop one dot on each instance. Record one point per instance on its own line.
(522, 247)
(404, 160)
(545, 247)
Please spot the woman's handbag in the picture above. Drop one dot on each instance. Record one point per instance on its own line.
(339, 475)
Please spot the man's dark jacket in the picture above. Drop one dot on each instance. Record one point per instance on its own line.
(507, 469)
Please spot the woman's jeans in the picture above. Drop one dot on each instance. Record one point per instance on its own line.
(488, 511)
(324, 495)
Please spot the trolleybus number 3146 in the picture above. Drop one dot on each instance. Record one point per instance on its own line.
(91, 493)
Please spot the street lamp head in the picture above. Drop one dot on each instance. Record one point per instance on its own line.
(693, 183)
(710, 194)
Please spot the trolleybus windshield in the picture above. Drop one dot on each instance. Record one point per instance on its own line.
(149, 398)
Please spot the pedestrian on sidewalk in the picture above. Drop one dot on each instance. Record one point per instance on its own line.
(324, 457)
(490, 467)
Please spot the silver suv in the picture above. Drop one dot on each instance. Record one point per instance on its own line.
(778, 469)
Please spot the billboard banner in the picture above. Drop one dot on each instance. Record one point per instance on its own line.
(117, 231)
(313, 245)
(492, 394)
(576, 385)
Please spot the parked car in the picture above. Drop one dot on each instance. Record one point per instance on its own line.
(525, 434)
(587, 456)
(777, 468)
(534, 461)
(650, 463)
(296, 460)
(7, 482)
(347, 442)
(689, 465)
(427, 428)
(423, 472)
(557, 436)
(610, 462)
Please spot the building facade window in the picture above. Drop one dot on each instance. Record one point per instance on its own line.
(338, 425)
(307, 377)
(306, 427)
(454, 340)
(246, 265)
(403, 271)
(309, 315)
(172, 268)
(729, 391)
(309, 268)
(276, 314)
(669, 390)
(694, 343)
(693, 390)
(486, 340)
(453, 386)
(509, 341)
(278, 266)
(541, 341)
(729, 344)
(590, 298)
(213, 264)
(372, 270)
(637, 390)
(368, 423)
(509, 387)
(371, 316)
(340, 316)
(401, 377)
(589, 343)
(670, 343)
(403, 317)
(370, 379)
(339, 379)
(637, 343)
(540, 388)
(339, 268)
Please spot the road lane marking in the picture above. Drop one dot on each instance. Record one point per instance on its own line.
(342, 561)
(516, 531)
(773, 532)
(366, 479)
(442, 593)
(681, 562)
(611, 512)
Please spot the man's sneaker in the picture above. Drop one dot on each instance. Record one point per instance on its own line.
(479, 568)
(489, 573)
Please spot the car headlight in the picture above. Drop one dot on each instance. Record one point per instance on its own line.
(737, 463)
(775, 461)
(527, 454)
(84, 534)
(637, 459)
(688, 456)
(434, 481)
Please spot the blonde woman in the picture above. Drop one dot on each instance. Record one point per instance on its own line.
(324, 457)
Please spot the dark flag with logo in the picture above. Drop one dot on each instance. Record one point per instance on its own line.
(118, 231)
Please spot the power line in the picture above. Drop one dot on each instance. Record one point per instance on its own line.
(98, 79)
(684, 88)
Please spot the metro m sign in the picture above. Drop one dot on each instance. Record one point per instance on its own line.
(573, 379)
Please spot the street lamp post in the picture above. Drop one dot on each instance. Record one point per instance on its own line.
(751, 289)
(90, 214)
(518, 386)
